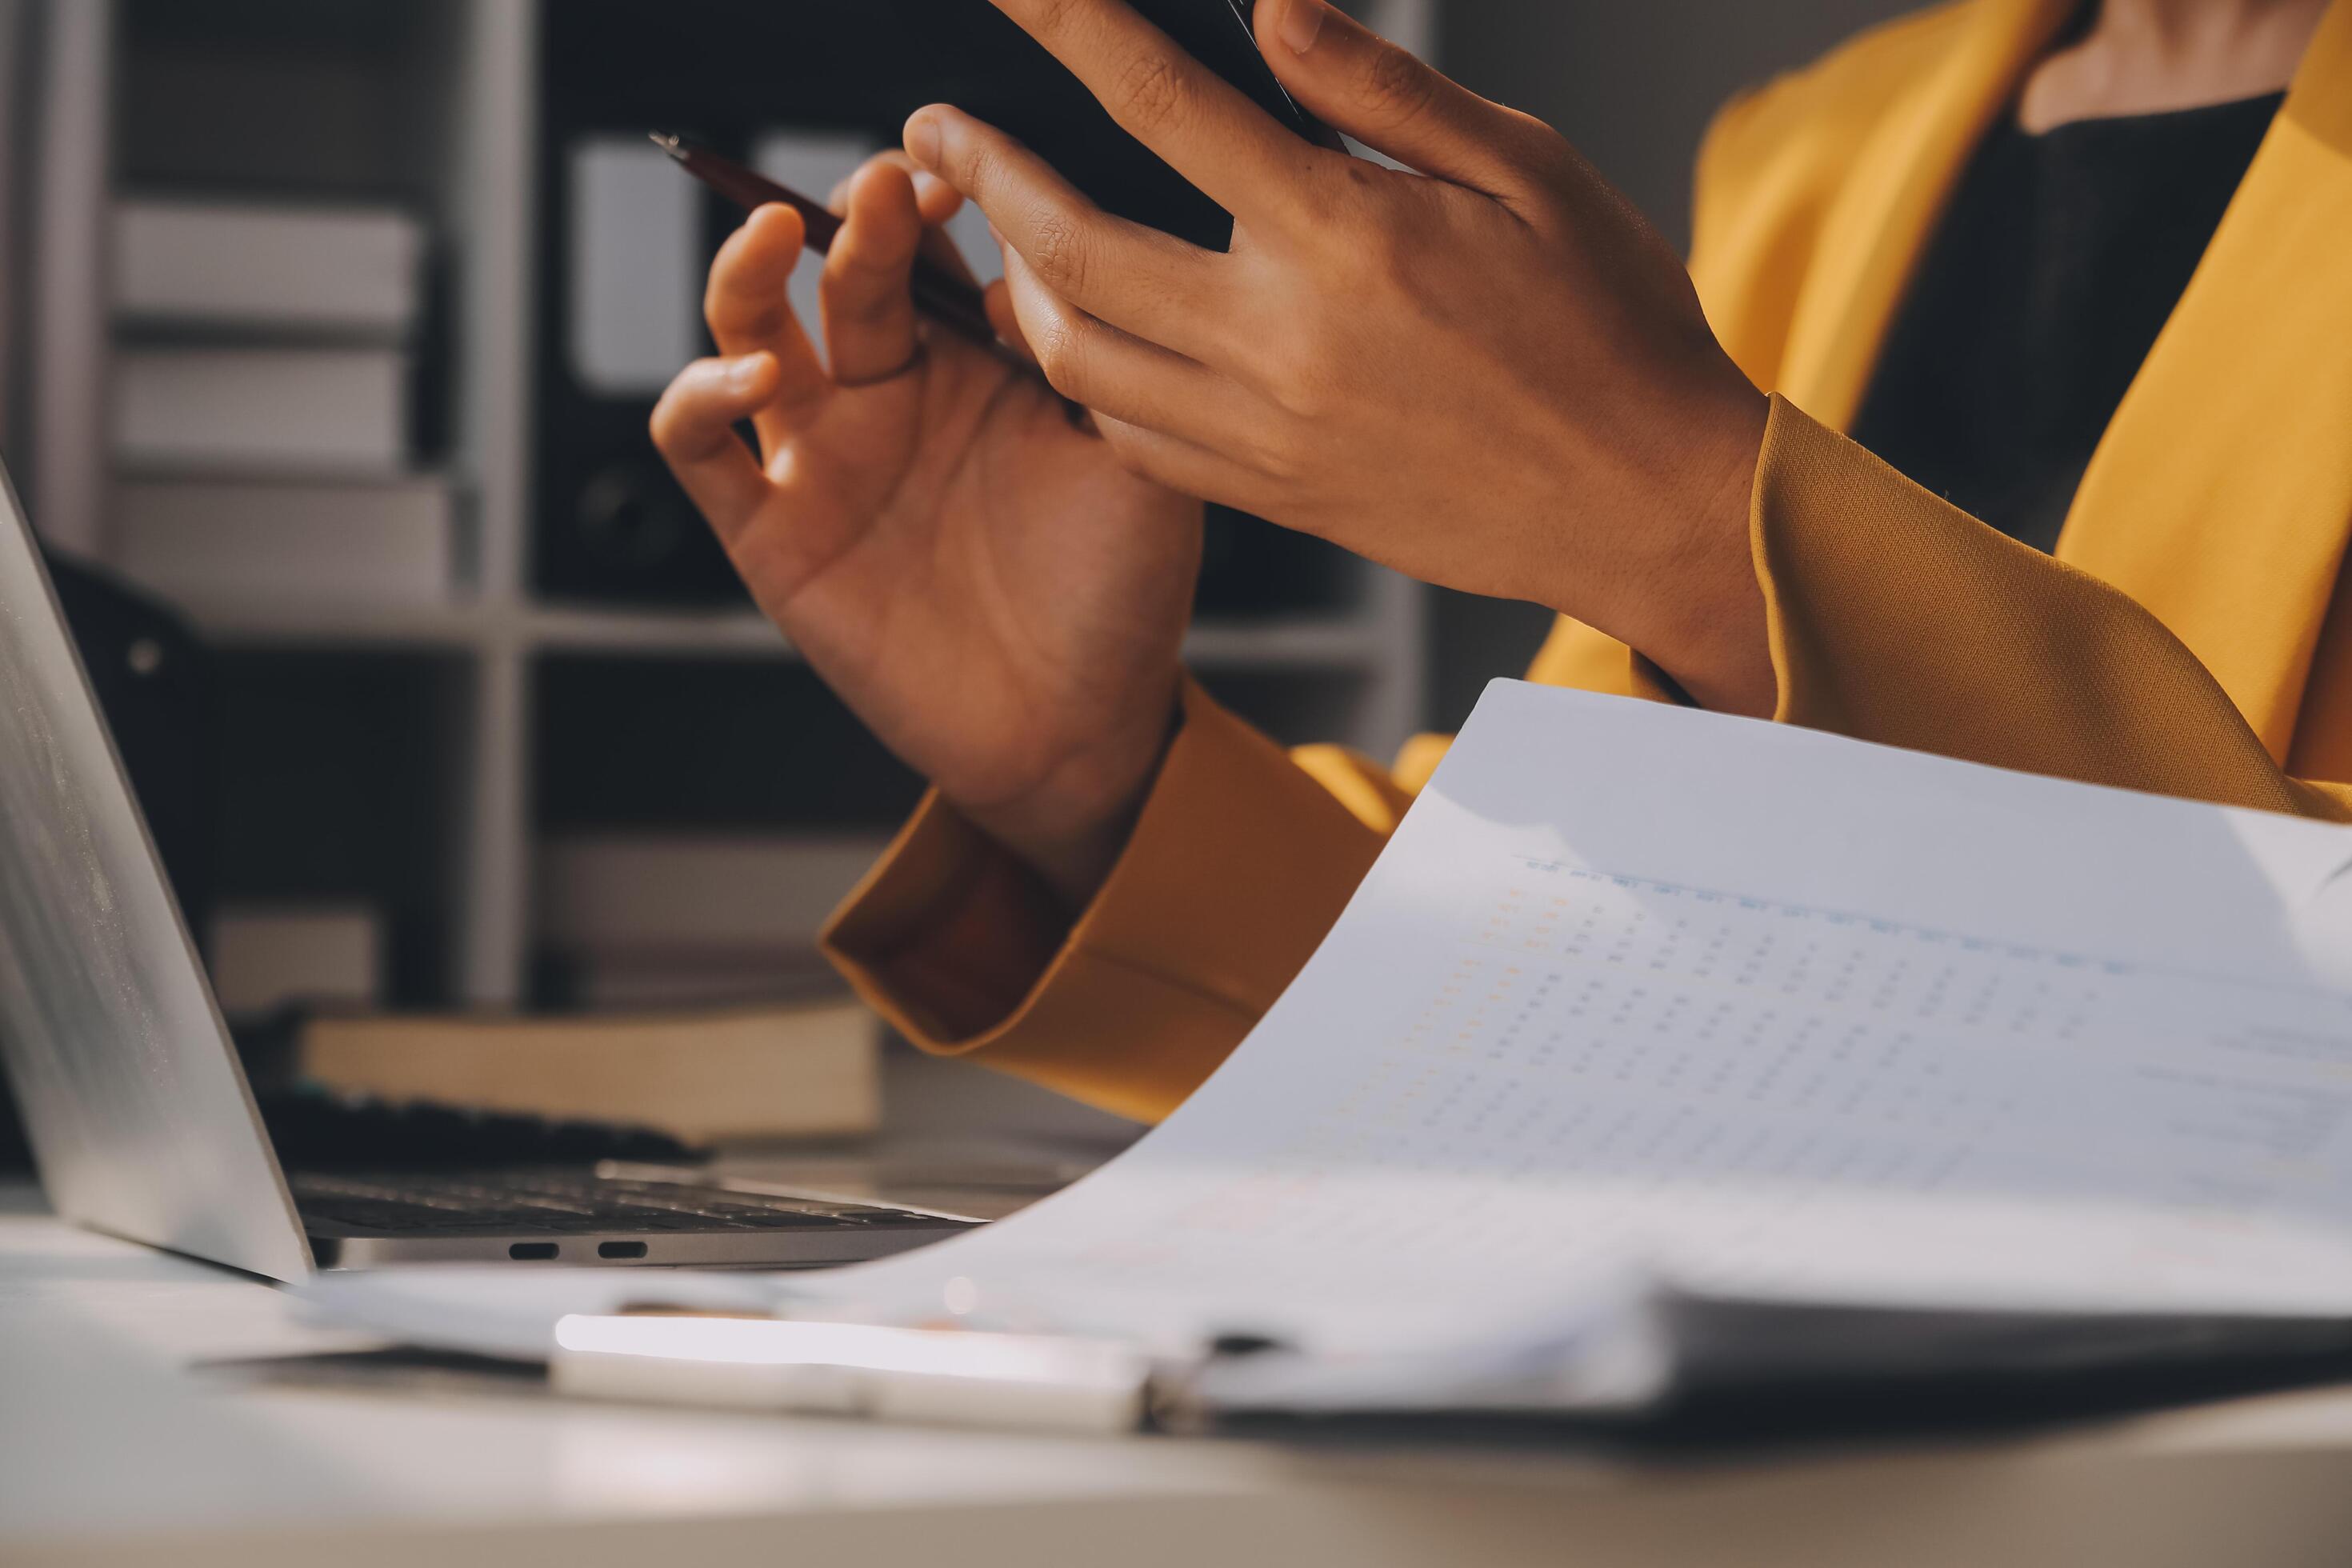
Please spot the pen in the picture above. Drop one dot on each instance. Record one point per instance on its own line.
(950, 1375)
(941, 295)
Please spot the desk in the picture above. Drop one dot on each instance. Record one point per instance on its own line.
(118, 1446)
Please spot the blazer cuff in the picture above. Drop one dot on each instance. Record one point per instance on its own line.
(1238, 865)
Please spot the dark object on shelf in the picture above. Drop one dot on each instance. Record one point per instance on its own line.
(612, 526)
(1252, 569)
(333, 786)
(153, 684)
(726, 745)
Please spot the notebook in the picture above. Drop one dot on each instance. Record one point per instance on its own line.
(1662, 1046)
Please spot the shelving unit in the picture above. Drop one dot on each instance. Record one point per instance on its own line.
(466, 152)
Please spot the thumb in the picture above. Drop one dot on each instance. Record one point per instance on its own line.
(1357, 81)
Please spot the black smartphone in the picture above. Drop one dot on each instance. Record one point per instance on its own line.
(986, 66)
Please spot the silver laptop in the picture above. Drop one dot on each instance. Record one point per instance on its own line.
(136, 1104)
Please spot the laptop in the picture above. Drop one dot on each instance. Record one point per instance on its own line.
(137, 1106)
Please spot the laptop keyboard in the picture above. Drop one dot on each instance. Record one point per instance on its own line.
(314, 1130)
(570, 1202)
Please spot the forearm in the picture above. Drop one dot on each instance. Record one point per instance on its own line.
(1680, 589)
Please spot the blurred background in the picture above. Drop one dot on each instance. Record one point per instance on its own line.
(330, 328)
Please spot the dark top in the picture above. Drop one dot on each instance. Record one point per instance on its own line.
(2052, 272)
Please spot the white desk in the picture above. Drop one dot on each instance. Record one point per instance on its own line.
(117, 1446)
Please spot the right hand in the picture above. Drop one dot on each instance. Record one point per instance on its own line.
(975, 574)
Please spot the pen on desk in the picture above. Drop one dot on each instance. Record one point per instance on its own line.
(939, 293)
(952, 1375)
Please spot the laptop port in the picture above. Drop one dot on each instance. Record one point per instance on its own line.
(620, 1249)
(532, 1251)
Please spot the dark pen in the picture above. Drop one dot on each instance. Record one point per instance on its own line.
(938, 292)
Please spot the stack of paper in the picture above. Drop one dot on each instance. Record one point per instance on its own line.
(213, 540)
(261, 402)
(1659, 1044)
(349, 271)
(269, 956)
(647, 919)
(337, 410)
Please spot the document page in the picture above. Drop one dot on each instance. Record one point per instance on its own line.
(1642, 1001)
(1642, 994)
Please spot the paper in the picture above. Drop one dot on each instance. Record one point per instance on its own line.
(1751, 1010)
(1643, 999)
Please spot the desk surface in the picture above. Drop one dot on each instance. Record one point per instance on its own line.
(121, 1443)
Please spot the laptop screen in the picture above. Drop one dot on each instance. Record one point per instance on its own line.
(133, 1096)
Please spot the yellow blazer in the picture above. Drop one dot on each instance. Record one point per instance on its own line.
(2191, 635)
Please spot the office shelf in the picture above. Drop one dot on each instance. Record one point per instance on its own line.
(441, 106)
(1343, 642)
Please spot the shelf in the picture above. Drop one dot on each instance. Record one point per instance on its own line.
(328, 624)
(1318, 642)
(494, 694)
(1302, 642)
(1311, 642)
(677, 634)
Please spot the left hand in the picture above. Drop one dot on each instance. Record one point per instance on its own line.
(1492, 375)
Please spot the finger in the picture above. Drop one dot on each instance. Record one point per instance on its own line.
(1109, 373)
(693, 427)
(750, 310)
(869, 312)
(1200, 124)
(1357, 81)
(938, 202)
(1006, 320)
(1181, 467)
(1144, 282)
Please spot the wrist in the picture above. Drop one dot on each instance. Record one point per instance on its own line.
(1679, 583)
(1712, 630)
(1071, 830)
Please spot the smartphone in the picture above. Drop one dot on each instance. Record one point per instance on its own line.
(986, 66)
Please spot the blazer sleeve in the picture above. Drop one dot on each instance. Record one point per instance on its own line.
(1242, 858)
(1897, 617)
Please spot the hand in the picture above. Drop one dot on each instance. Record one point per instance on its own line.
(979, 578)
(1495, 377)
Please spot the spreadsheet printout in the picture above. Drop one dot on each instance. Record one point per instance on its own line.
(1643, 1000)
(1756, 1011)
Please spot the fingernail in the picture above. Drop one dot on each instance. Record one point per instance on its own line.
(744, 375)
(923, 143)
(928, 186)
(1302, 24)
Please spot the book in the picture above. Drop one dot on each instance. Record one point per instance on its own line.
(1663, 1052)
(704, 897)
(213, 539)
(342, 270)
(658, 979)
(274, 408)
(266, 957)
(755, 1073)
